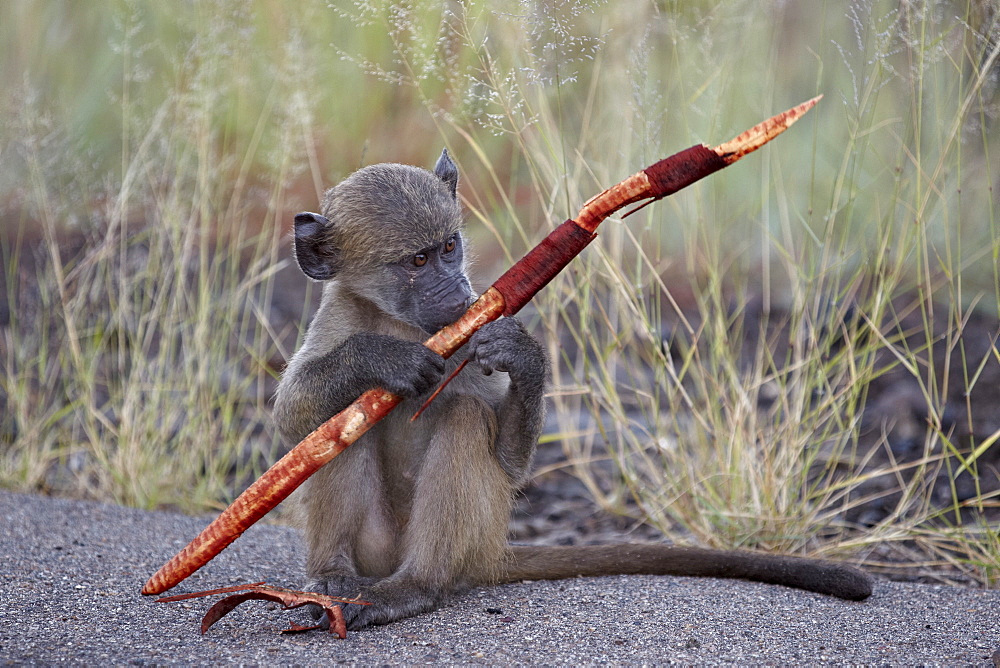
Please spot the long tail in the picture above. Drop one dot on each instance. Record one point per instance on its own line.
(556, 563)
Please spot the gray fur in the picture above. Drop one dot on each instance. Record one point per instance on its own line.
(389, 197)
(412, 512)
(415, 512)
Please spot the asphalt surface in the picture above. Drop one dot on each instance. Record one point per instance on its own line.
(70, 574)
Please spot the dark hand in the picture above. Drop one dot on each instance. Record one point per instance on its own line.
(504, 345)
(405, 368)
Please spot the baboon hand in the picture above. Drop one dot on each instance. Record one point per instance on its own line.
(405, 368)
(504, 345)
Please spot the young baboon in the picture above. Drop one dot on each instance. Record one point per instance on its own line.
(414, 512)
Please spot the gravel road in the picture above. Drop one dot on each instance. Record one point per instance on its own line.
(71, 573)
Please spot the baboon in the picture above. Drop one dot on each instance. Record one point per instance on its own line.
(415, 512)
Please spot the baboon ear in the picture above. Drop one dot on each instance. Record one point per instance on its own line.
(316, 257)
(446, 170)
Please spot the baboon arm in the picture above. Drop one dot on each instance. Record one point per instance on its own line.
(520, 418)
(309, 398)
(325, 385)
(505, 345)
(556, 562)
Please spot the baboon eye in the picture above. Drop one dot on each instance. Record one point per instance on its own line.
(420, 259)
(449, 245)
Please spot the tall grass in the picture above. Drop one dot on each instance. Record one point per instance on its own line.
(139, 352)
(719, 347)
(713, 353)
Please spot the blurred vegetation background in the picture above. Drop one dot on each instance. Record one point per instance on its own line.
(716, 360)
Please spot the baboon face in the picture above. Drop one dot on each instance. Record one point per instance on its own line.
(429, 289)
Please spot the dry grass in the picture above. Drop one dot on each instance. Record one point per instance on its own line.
(714, 354)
